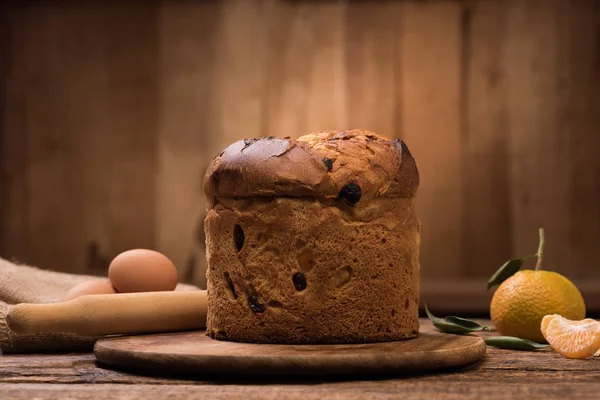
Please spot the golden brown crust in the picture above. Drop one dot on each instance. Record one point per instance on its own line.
(318, 165)
(314, 240)
(358, 281)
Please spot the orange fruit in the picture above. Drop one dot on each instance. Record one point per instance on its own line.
(572, 339)
(522, 300)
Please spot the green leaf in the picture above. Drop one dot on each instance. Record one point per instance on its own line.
(507, 270)
(454, 324)
(514, 343)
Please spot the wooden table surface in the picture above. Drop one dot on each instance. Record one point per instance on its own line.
(501, 374)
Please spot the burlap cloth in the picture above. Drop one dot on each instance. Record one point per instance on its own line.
(24, 284)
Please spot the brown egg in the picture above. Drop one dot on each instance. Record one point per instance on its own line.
(142, 271)
(89, 287)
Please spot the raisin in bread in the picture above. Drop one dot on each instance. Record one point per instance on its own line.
(313, 240)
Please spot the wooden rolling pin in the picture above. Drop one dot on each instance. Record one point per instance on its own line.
(107, 314)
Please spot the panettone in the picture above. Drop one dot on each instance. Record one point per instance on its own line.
(314, 240)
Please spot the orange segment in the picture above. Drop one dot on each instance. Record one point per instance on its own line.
(572, 339)
(545, 321)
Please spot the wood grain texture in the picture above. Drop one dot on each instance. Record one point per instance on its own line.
(486, 202)
(371, 32)
(87, 130)
(517, 387)
(501, 374)
(196, 353)
(186, 86)
(132, 138)
(291, 43)
(87, 156)
(326, 97)
(5, 43)
(306, 68)
(539, 172)
(239, 80)
(579, 79)
(13, 140)
(111, 112)
(48, 145)
(430, 57)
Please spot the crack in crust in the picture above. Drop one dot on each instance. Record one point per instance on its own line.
(294, 168)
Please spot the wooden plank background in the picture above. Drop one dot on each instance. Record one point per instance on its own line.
(110, 113)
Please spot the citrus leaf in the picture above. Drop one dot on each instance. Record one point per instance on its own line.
(514, 343)
(506, 271)
(454, 324)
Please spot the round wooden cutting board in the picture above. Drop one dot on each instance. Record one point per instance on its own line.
(195, 353)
